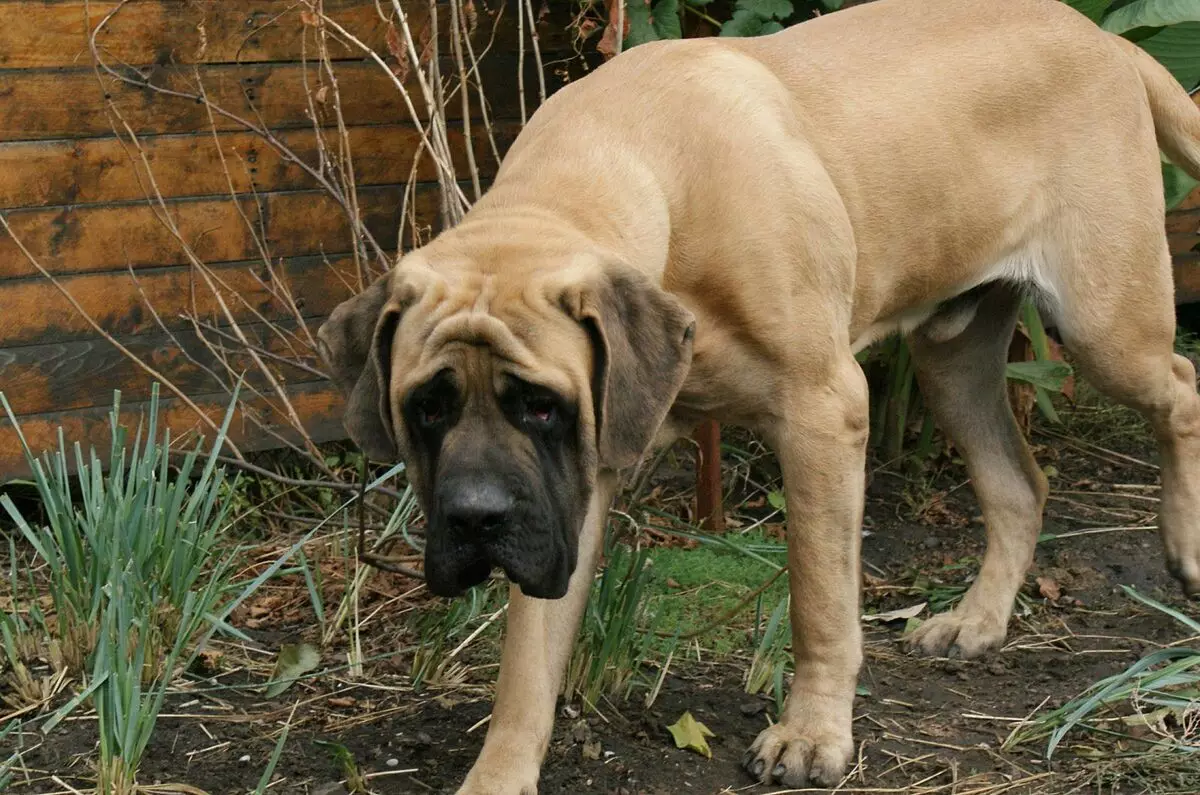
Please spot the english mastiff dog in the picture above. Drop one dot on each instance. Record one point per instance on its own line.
(711, 228)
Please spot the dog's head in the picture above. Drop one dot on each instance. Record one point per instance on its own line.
(505, 377)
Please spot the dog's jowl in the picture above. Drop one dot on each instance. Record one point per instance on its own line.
(712, 228)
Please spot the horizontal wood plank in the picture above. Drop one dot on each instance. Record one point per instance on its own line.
(1183, 222)
(317, 403)
(36, 312)
(1187, 279)
(100, 170)
(1184, 244)
(108, 237)
(39, 379)
(38, 34)
(70, 104)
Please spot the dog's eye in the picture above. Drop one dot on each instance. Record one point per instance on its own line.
(431, 410)
(541, 409)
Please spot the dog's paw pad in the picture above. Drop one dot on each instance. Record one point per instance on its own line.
(956, 636)
(795, 758)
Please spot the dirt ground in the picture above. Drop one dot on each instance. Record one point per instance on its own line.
(924, 725)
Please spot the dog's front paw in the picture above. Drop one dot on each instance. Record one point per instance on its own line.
(799, 755)
(957, 634)
(500, 780)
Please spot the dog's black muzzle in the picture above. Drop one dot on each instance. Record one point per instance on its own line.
(479, 522)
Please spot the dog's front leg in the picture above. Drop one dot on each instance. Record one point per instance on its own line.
(539, 636)
(821, 442)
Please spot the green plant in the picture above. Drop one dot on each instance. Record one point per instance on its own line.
(663, 19)
(772, 655)
(126, 551)
(356, 782)
(9, 764)
(617, 636)
(138, 581)
(1167, 681)
(444, 629)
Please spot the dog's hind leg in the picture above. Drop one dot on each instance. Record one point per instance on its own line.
(962, 380)
(1120, 326)
(539, 637)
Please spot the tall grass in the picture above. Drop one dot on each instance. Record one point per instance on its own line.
(140, 575)
(1160, 689)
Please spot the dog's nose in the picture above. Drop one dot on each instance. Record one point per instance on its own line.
(478, 508)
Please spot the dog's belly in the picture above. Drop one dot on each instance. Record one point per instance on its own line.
(947, 317)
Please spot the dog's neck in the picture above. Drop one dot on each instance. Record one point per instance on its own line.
(564, 205)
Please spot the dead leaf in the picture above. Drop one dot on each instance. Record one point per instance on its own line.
(309, 18)
(591, 750)
(690, 734)
(342, 701)
(903, 613)
(608, 42)
(1049, 589)
(322, 94)
(399, 52)
(295, 660)
(472, 17)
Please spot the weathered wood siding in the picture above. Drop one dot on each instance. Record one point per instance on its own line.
(75, 193)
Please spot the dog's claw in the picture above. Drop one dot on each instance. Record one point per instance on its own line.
(958, 635)
(797, 758)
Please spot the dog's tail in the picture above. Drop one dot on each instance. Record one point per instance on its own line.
(1176, 117)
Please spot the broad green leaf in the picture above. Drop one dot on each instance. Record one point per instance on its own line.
(1045, 374)
(768, 9)
(691, 734)
(1178, 49)
(743, 23)
(1092, 9)
(833, 5)
(295, 660)
(1151, 14)
(652, 22)
(1177, 185)
(775, 498)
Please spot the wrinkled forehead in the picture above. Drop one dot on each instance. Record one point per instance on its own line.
(521, 332)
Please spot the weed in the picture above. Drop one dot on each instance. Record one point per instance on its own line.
(443, 628)
(617, 635)
(1155, 701)
(356, 782)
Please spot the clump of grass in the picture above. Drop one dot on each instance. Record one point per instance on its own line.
(1158, 697)
(772, 654)
(135, 576)
(445, 628)
(617, 636)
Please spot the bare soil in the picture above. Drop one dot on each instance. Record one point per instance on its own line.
(924, 725)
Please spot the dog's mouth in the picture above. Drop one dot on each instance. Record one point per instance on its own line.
(542, 571)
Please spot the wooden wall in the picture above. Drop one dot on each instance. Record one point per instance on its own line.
(74, 192)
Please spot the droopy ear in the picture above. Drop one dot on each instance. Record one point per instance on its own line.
(356, 343)
(642, 338)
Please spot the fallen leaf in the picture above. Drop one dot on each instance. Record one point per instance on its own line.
(591, 750)
(1049, 589)
(904, 613)
(295, 660)
(344, 701)
(691, 734)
